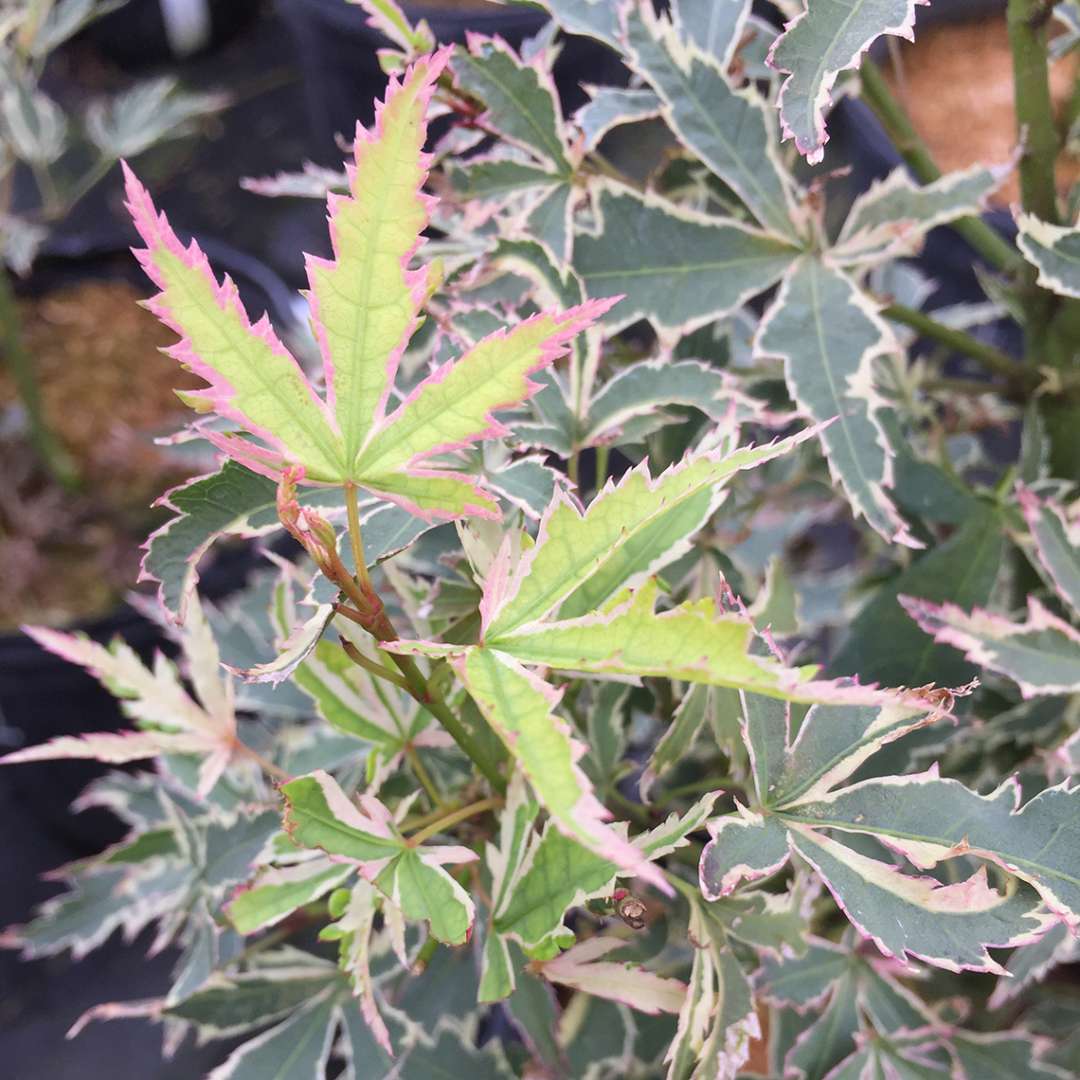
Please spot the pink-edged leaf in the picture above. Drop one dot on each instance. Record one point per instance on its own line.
(582, 968)
(520, 707)
(366, 301)
(253, 380)
(950, 926)
(1041, 655)
(744, 846)
(1057, 543)
(454, 406)
(387, 17)
(113, 748)
(819, 43)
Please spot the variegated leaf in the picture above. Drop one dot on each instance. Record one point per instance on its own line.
(675, 267)
(278, 892)
(319, 815)
(629, 531)
(731, 131)
(714, 26)
(891, 218)
(1041, 655)
(827, 38)
(612, 106)
(172, 720)
(582, 968)
(927, 819)
(520, 98)
(828, 334)
(520, 706)
(387, 17)
(1054, 250)
(1056, 544)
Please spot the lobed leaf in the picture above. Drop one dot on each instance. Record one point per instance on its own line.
(677, 268)
(731, 131)
(714, 26)
(828, 334)
(827, 38)
(319, 815)
(519, 97)
(365, 302)
(629, 531)
(1042, 655)
(278, 892)
(519, 706)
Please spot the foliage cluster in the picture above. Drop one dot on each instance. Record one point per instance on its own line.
(586, 769)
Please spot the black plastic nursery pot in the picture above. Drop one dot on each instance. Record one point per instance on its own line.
(341, 71)
(144, 34)
(41, 695)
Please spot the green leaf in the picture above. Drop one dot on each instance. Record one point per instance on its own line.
(890, 219)
(645, 388)
(1002, 1055)
(550, 220)
(828, 334)
(947, 925)
(519, 97)
(817, 45)
(277, 893)
(694, 642)
(884, 645)
(598, 19)
(297, 1049)
(629, 531)
(714, 26)
(230, 1005)
(1054, 251)
(731, 131)
(495, 178)
(744, 846)
(1058, 553)
(519, 706)
(365, 301)
(319, 815)
(675, 267)
(928, 819)
(612, 106)
(675, 744)
(34, 126)
(387, 17)
(1042, 655)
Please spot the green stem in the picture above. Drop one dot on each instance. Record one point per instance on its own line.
(423, 776)
(21, 366)
(377, 669)
(356, 538)
(1034, 108)
(992, 359)
(447, 821)
(993, 247)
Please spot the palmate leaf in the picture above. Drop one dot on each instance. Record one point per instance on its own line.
(730, 130)
(827, 38)
(535, 613)
(949, 925)
(677, 268)
(319, 815)
(714, 26)
(1041, 655)
(172, 720)
(366, 305)
(828, 334)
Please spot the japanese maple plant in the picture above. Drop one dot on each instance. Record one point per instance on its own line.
(558, 751)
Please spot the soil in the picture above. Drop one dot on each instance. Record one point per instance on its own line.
(956, 82)
(106, 392)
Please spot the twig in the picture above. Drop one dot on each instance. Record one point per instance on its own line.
(452, 818)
